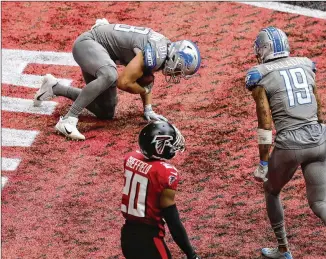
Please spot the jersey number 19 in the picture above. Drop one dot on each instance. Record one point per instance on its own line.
(297, 86)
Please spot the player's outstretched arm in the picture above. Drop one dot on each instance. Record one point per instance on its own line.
(149, 114)
(264, 131)
(134, 70)
(177, 230)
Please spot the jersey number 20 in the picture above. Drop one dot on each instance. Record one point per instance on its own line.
(297, 86)
(136, 187)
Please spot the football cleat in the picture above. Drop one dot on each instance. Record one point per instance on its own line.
(45, 92)
(275, 253)
(68, 127)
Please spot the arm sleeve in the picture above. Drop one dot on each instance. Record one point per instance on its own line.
(177, 230)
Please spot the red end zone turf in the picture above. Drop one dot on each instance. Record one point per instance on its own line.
(63, 201)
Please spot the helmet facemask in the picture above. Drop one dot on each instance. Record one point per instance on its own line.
(183, 60)
(173, 70)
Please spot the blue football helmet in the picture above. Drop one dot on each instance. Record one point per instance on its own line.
(183, 60)
(271, 43)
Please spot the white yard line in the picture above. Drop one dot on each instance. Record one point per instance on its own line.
(17, 138)
(31, 81)
(14, 61)
(39, 57)
(282, 7)
(25, 105)
(9, 164)
(4, 180)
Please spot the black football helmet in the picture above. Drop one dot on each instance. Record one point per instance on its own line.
(160, 140)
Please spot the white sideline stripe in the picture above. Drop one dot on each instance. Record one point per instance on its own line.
(289, 9)
(4, 180)
(9, 164)
(17, 138)
(25, 105)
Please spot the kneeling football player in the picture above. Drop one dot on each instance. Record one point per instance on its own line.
(148, 195)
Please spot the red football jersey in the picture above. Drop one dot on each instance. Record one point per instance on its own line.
(144, 182)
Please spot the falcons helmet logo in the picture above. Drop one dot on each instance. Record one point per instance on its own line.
(160, 142)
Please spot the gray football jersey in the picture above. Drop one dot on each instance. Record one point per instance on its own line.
(120, 40)
(289, 84)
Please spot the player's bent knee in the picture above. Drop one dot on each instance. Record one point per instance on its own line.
(108, 74)
(319, 208)
(270, 190)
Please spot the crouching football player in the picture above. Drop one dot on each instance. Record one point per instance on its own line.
(148, 195)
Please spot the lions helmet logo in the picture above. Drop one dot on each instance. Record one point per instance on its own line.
(160, 142)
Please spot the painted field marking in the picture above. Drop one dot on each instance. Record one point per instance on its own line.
(4, 180)
(15, 61)
(31, 81)
(25, 105)
(17, 138)
(9, 164)
(289, 9)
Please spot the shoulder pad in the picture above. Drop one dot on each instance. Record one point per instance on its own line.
(252, 78)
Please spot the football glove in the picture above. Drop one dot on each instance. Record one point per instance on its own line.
(150, 115)
(261, 172)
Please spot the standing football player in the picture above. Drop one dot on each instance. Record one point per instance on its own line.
(148, 196)
(284, 90)
(98, 51)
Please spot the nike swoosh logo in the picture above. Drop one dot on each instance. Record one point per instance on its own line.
(38, 98)
(68, 132)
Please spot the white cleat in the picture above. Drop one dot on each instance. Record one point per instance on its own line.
(45, 92)
(276, 254)
(68, 127)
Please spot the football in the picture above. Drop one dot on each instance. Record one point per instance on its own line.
(145, 80)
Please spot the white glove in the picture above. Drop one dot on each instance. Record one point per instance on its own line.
(261, 172)
(100, 22)
(149, 114)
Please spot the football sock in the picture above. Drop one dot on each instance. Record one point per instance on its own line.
(280, 234)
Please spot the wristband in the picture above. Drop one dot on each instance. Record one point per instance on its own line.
(148, 107)
(264, 136)
(263, 163)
